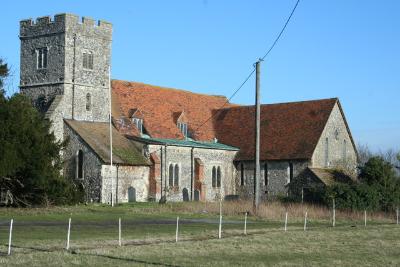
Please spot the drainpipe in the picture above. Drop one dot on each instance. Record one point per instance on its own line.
(191, 173)
(161, 173)
(116, 189)
(165, 172)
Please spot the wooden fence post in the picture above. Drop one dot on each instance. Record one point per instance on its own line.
(119, 233)
(305, 221)
(365, 218)
(69, 232)
(286, 214)
(177, 229)
(220, 220)
(10, 237)
(333, 213)
(245, 223)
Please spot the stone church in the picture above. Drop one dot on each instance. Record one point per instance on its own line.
(163, 142)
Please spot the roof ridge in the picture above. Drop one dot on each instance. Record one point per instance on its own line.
(284, 103)
(171, 88)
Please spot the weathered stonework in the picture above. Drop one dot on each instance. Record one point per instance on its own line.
(62, 89)
(277, 178)
(185, 158)
(339, 156)
(124, 177)
(92, 165)
(341, 151)
(66, 39)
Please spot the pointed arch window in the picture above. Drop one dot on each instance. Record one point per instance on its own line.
(176, 175)
(173, 180)
(214, 177)
(171, 175)
(241, 174)
(266, 174)
(326, 152)
(219, 177)
(344, 152)
(79, 164)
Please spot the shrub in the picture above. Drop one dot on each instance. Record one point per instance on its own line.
(30, 162)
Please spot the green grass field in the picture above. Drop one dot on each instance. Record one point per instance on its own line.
(148, 236)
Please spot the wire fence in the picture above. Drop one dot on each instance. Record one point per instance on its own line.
(70, 235)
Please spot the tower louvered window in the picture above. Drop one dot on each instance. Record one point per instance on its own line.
(88, 60)
(41, 54)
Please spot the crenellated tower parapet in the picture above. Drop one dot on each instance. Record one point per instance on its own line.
(67, 58)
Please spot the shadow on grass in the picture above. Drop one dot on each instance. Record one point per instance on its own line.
(125, 259)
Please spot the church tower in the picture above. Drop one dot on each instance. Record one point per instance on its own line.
(65, 65)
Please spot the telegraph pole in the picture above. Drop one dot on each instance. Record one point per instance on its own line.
(111, 145)
(257, 141)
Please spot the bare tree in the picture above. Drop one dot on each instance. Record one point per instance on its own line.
(364, 154)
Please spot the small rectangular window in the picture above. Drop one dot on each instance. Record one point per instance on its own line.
(41, 54)
(344, 150)
(326, 152)
(88, 61)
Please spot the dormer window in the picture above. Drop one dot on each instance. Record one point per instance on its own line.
(138, 123)
(41, 55)
(183, 128)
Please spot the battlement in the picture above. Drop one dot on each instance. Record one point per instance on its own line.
(59, 23)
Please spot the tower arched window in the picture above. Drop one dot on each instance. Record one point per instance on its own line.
(88, 102)
(79, 165)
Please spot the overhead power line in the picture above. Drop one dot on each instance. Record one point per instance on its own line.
(252, 72)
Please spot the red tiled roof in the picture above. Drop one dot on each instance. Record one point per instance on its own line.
(161, 107)
(288, 130)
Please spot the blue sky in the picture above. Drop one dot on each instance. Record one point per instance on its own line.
(343, 48)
